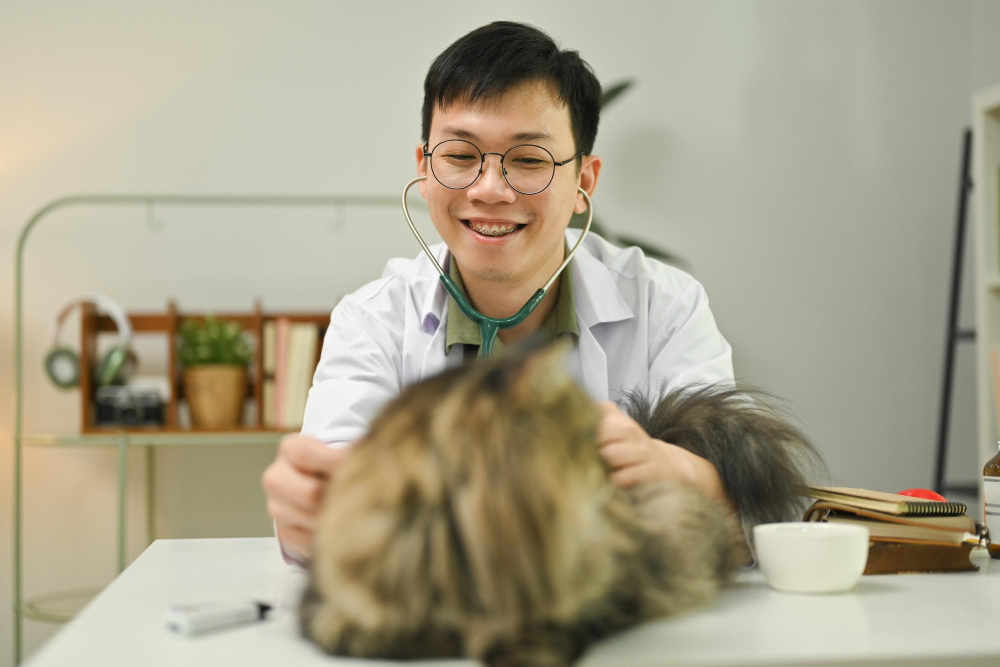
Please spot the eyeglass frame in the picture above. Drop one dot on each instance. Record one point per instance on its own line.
(503, 171)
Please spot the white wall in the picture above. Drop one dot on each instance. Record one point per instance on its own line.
(802, 156)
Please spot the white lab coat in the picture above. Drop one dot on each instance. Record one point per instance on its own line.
(642, 324)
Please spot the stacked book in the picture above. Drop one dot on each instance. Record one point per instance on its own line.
(906, 534)
(290, 355)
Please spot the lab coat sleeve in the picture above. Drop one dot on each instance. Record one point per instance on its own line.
(688, 348)
(357, 374)
(289, 555)
(693, 352)
(355, 377)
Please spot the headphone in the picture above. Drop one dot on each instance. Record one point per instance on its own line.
(62, 364)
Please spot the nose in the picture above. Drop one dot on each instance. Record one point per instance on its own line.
(491, 187)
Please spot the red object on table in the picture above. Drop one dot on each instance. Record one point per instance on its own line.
(925, 494)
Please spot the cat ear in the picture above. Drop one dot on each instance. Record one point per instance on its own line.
(544, 372)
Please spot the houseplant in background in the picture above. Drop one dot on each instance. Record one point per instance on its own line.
(214, 355)
(611, 93)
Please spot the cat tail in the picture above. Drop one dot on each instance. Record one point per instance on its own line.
(764, 461)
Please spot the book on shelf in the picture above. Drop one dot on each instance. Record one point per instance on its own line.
(302, 340)
(289, 364)
(269, 350)
(905, 534)
(282, 329)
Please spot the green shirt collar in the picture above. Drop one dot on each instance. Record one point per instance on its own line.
(562, 320)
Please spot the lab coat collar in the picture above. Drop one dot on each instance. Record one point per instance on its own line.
(598, 299)
(436, 296)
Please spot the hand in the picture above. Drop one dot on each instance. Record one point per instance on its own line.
(294, 484)
(634, 457)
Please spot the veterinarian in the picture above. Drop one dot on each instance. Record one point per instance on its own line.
(505, 94)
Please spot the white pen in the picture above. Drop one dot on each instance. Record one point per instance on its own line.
(192, 619)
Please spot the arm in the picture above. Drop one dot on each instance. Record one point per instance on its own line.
(356, 375)
(635, 457)
(686, 349)
(751, 452)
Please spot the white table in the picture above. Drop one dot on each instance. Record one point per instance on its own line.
(902, 619)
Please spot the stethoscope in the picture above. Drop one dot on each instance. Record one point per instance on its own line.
(489, 327)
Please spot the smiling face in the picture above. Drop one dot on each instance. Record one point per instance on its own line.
(528, 113)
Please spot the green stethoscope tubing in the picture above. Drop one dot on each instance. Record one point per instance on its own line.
(489, 327)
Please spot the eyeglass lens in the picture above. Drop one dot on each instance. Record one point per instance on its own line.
(456, 164)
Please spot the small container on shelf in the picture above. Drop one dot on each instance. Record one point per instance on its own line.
(214, 355)
(243, 394)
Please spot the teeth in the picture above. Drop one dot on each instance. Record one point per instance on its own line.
(494, 231)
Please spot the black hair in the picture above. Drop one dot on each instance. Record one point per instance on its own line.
(487, 62)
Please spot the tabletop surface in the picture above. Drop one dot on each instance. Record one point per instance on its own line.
(937, 619)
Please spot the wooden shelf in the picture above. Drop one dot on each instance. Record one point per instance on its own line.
(155, 438)
(168, 323)
(115, 430)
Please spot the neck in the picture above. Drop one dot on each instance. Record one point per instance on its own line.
(504, 299)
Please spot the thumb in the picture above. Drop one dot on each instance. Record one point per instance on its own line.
(311, 455)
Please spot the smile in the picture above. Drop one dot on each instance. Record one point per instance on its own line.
(492, 228)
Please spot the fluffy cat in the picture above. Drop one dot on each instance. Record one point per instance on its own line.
(477, 517)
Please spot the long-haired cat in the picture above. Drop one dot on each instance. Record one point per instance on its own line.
(477, 517)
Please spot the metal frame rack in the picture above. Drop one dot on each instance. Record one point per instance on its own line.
(40, 607)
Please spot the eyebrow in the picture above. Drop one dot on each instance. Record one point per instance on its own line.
(520, 136)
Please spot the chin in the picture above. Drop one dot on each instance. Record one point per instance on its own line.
(492, 274)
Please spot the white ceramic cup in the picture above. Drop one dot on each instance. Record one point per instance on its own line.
(810, 557)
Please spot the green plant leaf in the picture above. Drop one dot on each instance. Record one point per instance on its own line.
(614, 91)
(213, 342)
(653, 251)
(611, 93)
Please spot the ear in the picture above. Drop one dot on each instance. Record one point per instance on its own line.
(422, 170)
(590, 170)
(545, 371)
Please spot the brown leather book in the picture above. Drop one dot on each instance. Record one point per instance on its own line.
(888, 557)
(951, 529)
(903, 544)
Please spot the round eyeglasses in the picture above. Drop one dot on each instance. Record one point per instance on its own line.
(528, 169)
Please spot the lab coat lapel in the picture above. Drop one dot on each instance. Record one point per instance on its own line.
(593, 365)
(598, 301)
(435, 360)
(434, 314)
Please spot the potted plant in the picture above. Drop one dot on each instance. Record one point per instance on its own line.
(579, 220)
(214, 355)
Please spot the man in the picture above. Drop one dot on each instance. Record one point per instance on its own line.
(509, 123)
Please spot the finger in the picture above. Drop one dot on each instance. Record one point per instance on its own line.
(289, 485)
(310, 455)
(620, 454)
(292, 516)
(297, 539)
(616, 425)
(632, 475)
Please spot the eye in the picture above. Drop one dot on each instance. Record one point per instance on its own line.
(529, 161)
(460, 158)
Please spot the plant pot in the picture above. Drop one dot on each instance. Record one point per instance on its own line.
(216, 394)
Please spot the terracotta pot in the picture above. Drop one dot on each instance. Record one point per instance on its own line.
(215, 394)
